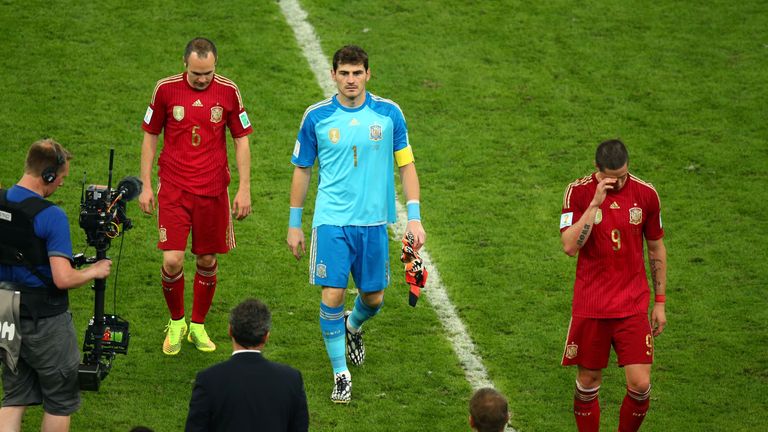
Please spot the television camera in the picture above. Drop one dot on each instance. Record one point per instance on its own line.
(103, 218)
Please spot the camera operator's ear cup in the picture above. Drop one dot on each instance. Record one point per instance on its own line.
(49, 173)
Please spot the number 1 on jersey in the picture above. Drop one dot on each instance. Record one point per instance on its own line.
(354, 152)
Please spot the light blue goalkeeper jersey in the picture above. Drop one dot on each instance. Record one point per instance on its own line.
(355, 148)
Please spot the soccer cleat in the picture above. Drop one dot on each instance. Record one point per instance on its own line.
(342, 388)
(355, 346)
(174, 334)
(199, 337)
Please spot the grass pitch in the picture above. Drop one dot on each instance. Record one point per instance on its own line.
(505, 103)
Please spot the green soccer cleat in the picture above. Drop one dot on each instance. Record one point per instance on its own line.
(199, 337)
(174, 334)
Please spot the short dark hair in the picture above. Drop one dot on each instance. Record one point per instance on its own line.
(489, 410)
(350, 54)
(202, 47)
(43, 154)
(611, 154)
(249, 322)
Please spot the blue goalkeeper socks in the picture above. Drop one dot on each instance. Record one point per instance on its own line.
(332, 327)
(362, 313)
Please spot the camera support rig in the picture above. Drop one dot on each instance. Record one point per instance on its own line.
(103, 218)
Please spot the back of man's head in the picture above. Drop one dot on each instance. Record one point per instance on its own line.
(488, 410)
(249, 323)
(45, 155)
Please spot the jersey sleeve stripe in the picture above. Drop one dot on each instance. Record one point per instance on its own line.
(311, 108)
(167, 80)
(229, 83)
(387, 101)
(569, 189)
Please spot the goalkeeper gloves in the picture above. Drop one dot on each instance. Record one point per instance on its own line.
(415, 272)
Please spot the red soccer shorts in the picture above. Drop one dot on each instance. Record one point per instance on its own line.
(208, 218)
(590, 339)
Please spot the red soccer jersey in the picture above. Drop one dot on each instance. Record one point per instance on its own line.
(610, 271)
(194, 153)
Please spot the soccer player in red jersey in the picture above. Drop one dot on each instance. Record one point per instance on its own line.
(193, 110)
(605, 218)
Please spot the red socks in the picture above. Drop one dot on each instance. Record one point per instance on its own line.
(633, 410)
(586, 408)
(204, 288)
(173, 290)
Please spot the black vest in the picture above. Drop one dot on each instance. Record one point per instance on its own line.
(19, 246)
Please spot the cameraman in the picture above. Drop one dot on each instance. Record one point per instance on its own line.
(49, 355)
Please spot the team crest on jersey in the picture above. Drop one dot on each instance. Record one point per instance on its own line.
(216, 113)
(598, 216)
(334, 135)
(571, 351)
(178, 112)
(321, 272)
(635, 215)
(163, 235)
(375, 132)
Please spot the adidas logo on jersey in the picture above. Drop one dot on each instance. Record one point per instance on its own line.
(354, 122)
(614, 205)
(197, 103)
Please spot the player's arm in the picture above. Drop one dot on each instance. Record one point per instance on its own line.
(411, 189)
(241, 207)
(299, 188)
(576, 236)
(148, 151)
(66, 277)
(657, 260)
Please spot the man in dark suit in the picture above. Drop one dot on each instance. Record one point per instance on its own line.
(248, 392)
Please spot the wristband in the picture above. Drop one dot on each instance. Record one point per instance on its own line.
(294, 217)
(660, 298)
(414, 210)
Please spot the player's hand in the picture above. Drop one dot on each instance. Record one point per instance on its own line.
(241, 206)
(658, 319)
(147, 199)
(295, 240)
(602, 189)
(101, 268)
(419, 235)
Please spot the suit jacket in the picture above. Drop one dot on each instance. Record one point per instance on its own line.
(248, 393)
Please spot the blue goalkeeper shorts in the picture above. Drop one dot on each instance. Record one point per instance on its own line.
(338, 251)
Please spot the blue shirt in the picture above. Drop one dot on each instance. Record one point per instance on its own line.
(355, 151)
(50, 225)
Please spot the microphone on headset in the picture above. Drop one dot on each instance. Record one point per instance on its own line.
(129, 187)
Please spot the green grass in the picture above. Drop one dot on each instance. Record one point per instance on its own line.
(505, 103)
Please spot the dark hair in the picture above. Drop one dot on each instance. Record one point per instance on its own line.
(611, 154)
(488, 409)
(250, 322)
(45, 155)
(202, 47)
(350, 54)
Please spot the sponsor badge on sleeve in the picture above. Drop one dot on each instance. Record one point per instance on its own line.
(148, 115)
(244, 120)
(566, 220)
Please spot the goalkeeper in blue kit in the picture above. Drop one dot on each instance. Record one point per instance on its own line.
(356, 137)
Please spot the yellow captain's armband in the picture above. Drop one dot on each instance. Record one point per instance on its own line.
(404, 156)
